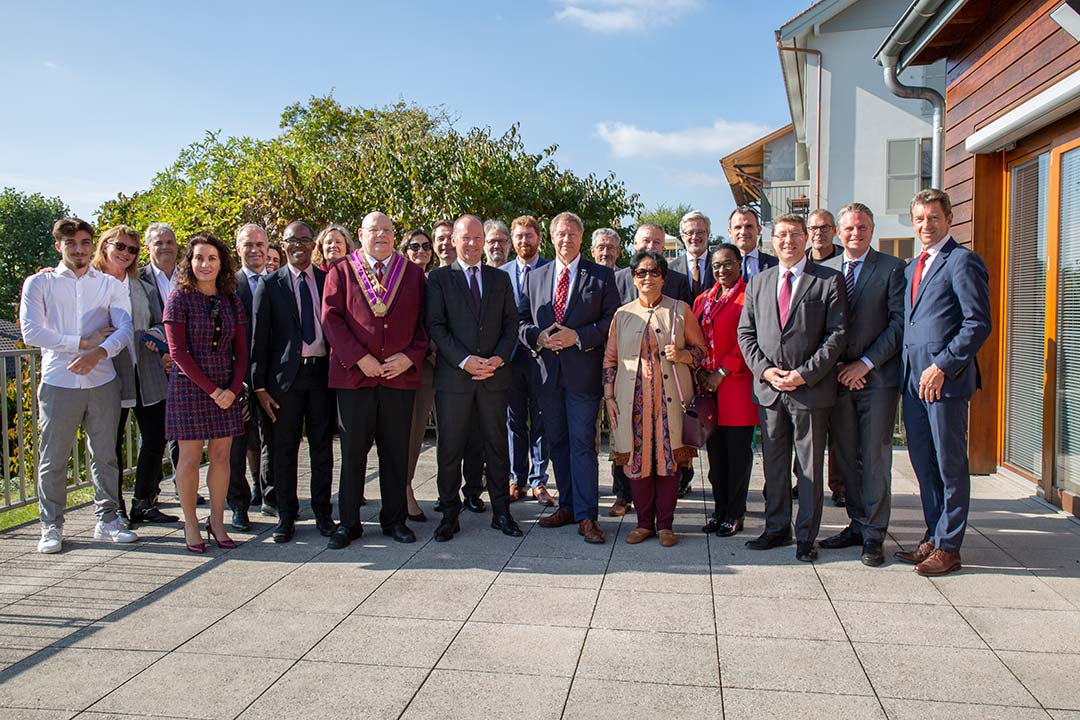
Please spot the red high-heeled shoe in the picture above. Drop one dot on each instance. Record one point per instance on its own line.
(225, 544)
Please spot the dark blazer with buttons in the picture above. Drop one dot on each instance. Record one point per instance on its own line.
(276, 342)
(811, 342)
(592, 303)
(681, 266)
(948, 322)
(676, 287)
(875, 317)
(453, 325)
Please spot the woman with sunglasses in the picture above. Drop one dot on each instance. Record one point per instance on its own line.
(141, 369)
(653, 344)
(332, 243)
(204, 323)
(417, 248)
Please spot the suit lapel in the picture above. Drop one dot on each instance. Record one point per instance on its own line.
(935, 268)
(800, 291)
(868, 270)
(575, 291)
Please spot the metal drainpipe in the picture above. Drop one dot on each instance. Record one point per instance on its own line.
(932, 96)
(817, 170)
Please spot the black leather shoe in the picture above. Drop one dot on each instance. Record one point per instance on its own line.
(400, 532)
(768, 541)
(839, 500)
(343, 535)
(256, 499)
(805, 552)
(446, 529)
(269, 510)
(727, 529)
(794, 492)
(240, 520)
(848, 537)
(326, 526)
(362, 502)
(507, 525)
(872, 555)
(712, 526)
(685, 489)
(438, 506)
(200, 500)
(475, 504)
(285, 530)
(151, 515)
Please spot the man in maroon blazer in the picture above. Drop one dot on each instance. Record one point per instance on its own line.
(373, 318)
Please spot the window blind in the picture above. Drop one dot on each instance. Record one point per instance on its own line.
(1068, 330)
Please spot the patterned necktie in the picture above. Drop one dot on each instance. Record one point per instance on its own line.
(474, 287)
(379, 272)
(695, 286)
(849, 279)
(561, 291)
(916, 278)
(307, 312)
(783, 302)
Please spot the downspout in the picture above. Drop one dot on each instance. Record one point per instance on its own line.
(932, 96)
(817, 145)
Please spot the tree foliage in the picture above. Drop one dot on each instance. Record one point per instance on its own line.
(332, 163)
(665, 216)
(26, 242)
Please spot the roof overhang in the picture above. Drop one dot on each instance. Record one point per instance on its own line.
(745, 185)
(915, 30)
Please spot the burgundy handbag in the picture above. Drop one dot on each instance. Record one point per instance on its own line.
(699, 416)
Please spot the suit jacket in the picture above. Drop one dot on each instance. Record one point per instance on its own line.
(948, 322)
(513, 269)
(247, 300)
(811, 341)
(146, 274)
(681, 265)
(276, 342)
(875, 317)
(592, 303)
(676, 286)
(353, 331)
(454, 327)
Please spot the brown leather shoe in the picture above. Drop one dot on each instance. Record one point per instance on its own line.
(925, 550)
(515, 492)
(619, 508)
(668, 538)
(639, 535)
(592, 533)
(557, 519)
(939, 563)
(543, 496)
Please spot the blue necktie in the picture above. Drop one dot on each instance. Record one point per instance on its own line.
(253, 282)
(307, 312)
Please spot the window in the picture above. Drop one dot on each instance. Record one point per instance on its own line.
(903, 248)
(908, 167)
(1068, 329)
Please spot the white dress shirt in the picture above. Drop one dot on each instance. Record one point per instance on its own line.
(573, 277)
(58, 309)
(468, 275)
(932, 253)
(318, 347)
(163, 281)
(796, 271)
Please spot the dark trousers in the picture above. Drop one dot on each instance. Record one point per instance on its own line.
(256, 437)
(473, 464)
(860, 451)
(524, 424)
(620, 484)
(654, 498)
(148, 474)
(570, 424)
(307, 406)
(462, 416)
(382, 416)
(937, 436)
(731, 456)
(787, 428)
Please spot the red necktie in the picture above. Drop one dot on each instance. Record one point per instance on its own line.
(379, 272)
(916, 278)
(783, 302)
(561, 291)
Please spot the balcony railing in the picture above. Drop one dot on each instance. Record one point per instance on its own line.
(778, 198)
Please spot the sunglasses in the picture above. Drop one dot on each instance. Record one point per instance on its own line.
(650, 272)
(417, 247)
(215, 317)
(133, 249)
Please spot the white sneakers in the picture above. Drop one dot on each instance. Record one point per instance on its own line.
(51, 539)
(115, 531)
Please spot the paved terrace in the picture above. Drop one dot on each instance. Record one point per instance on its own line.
(546, 626)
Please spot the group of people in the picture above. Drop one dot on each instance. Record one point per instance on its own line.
(519, 358)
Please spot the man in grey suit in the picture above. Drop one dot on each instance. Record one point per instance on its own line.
(861, 423)
(695, 229)
(792, 334)
(650, 236)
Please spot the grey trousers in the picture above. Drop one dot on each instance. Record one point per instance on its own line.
(860, 438)
(787, 428)
(61, 411)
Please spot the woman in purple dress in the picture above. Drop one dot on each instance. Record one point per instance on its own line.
(204, 323)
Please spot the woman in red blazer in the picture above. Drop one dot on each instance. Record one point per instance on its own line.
(730, 448)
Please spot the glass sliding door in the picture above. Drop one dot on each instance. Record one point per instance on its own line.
(1067, 381)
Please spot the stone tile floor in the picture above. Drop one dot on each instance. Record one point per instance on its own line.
(546, 626)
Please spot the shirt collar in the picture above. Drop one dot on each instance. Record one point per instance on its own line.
(251, 273)
(796, 270)
(465, 266)
(62, 269)
(933, 252)
(371, 261)
(753, 253)
(860, 259)
(306, 271)
(530, 265)
(573, 266)
(158, 271)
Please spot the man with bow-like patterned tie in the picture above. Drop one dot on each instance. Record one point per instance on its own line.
(565, 310)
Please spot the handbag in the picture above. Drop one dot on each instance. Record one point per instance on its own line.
(699, 416)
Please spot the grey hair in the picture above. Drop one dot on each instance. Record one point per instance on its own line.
(606, 232)
(696, 215)
(566, 216)
(156, 228)
(251, 226)
(494, 224)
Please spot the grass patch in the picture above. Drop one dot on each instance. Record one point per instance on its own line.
(28, 513)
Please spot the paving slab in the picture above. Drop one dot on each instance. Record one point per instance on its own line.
(793, 665)
(521, 649)
(371, 640)
(45, 680)
(482, 695)
(926, 710)
(1051, 678)
(641, 656)
(655, 612)
(558, 606)
(615, 700)
(743, 704)
(895, 623)
(795, 618)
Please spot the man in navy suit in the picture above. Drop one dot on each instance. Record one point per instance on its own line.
(525, 426)
(745, 231)
(947, 319)
(565, 311)
(696, 231)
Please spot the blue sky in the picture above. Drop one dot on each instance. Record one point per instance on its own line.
(99, 96)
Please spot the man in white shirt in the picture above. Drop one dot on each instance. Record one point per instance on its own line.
(79, 317)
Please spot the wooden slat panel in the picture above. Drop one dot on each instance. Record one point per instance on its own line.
(962, 212)
(1006, 22)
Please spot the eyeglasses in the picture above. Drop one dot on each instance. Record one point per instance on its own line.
(695, 233)
(215, 317)
(418, 246)
(727, 264)
(293, 240)
(133, 249)
(820, 228)
(648, 272)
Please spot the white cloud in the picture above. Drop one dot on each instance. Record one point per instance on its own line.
(718, 139)
(616, 16)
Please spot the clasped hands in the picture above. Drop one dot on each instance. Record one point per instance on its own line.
(783, 380)
(482, 368)
(557, 337)
(852, 375)
(223, 397)
(90, 351)
(394, 366)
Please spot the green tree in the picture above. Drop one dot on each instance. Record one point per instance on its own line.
(332, 163)
(665, 216)
(26, 244)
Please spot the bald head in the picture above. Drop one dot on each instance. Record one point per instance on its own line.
(251, 247)
(649, 237)
(469, 239)
(377, 235)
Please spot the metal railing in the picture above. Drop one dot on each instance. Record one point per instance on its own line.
(784, 197)
(20, 374)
